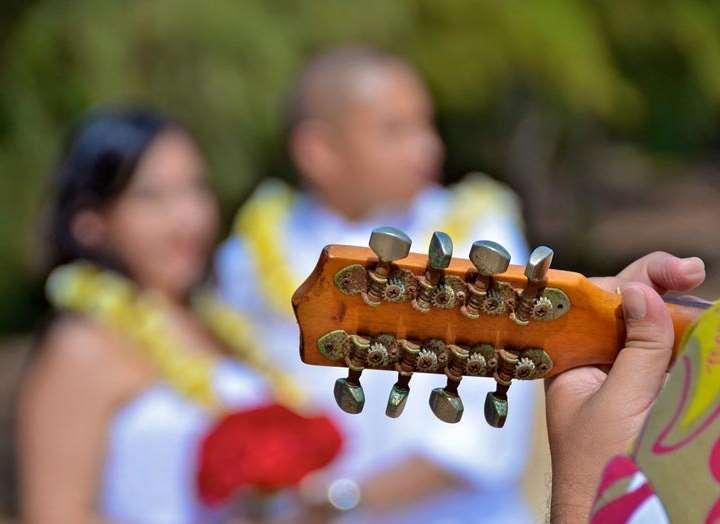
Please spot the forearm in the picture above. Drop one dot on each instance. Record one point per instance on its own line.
(573, 494)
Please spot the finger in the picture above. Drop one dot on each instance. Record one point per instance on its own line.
(661, 271)
(664, 272)
(639, 370)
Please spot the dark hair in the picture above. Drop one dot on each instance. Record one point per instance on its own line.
(97, 164)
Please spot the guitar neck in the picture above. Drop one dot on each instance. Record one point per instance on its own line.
(684, 311)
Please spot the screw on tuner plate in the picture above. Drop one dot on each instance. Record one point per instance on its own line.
(388, 244)
(531, 303)
(439, 257)
(485, 294)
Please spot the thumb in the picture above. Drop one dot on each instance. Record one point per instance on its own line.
(639, 371)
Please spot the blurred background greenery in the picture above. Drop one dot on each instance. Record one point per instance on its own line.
(602, 115)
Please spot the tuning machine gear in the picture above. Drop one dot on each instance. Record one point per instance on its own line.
(485, 294)
(430, 286)
(542, 308)
(348, 392)
(388, 244)
(481, 361)
(395, 288)
(377, 355)
(400, 391)
(531, 302)
(445, 402)
(525, 368)
(522, 365)
(496, 403)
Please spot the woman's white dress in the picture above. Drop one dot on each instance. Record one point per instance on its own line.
(149, 474)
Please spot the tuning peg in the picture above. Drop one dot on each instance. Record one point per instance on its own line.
(439, 257)
(349, 393)
(398, 396)
(445, 402)
(441, 250)
(401, 389)
(531, 363)
(388, 244)
(531, 302)
(496, 403)
(496, 406)
(539, 263)
(489, 258)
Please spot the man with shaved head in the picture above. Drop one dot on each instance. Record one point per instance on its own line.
(361, 131)
(362, 138)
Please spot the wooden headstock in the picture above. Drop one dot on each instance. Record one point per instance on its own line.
(409, 316)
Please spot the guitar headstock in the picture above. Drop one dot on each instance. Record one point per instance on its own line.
(386, 308)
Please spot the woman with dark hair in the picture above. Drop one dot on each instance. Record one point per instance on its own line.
(133, 371)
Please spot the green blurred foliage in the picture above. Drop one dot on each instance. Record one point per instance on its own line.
(644, 71)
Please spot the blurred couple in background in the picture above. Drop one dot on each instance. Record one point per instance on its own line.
(133, 377)
(167, 389)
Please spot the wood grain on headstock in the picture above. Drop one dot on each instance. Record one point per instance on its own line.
(591, 333)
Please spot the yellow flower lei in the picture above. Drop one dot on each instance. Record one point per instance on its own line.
(116, 302)
(261, 220)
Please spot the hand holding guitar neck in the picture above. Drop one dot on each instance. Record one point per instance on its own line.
(613, 407)
(385, 308)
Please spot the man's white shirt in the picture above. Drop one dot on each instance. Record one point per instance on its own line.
(490, 460)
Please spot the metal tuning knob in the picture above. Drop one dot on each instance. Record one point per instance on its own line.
(445, 402)
(439, 257)
(388, 244)
(496, 403)
(484, 294)
(349, 393)
(401, 390)
(531, 297)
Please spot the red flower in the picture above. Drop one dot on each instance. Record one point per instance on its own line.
(266, 448)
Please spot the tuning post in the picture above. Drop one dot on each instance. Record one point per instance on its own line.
(531, 302)
(439, 257)
(389, 244)
(349, 393)
(400, 391)
(445, 402)
(485, 295)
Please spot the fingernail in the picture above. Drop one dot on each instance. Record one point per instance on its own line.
(634, 304)
(692, 267)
